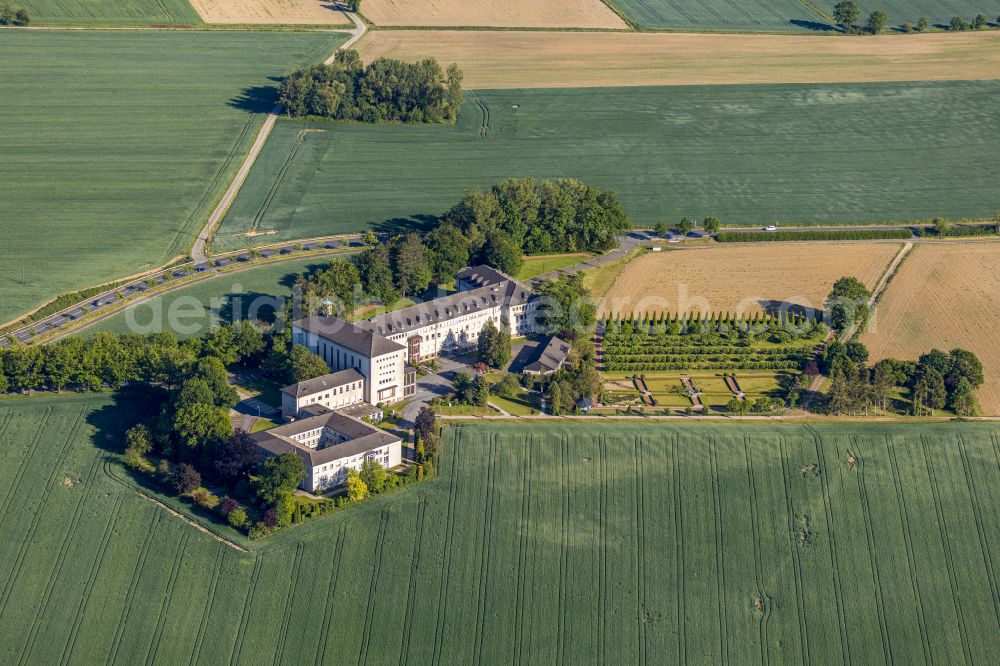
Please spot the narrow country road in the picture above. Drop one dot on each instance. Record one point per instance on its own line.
(198, 250)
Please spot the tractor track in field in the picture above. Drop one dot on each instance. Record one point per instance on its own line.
(209, 601)
(57, 566)
(522, 554)
(908, 542)
(602, 635)
(154, 643)
(19, 474)
(241, 632)
(486, 549)
(286, 614)
(324, 643)
(872, 555)
(565, 517)
(366, 635)
(949, 559)
(640, 549)
(444, 589)
(279, 181)
(411, 589)
(95, 571)
(980, 528)
(720, 558)
(796, 555)
(140, 564)
(765, 656)
(679, 552)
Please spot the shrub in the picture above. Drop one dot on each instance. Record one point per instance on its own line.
(237, 517)
(186, 479)
(228, 505)
(259, 530)
(205, 499)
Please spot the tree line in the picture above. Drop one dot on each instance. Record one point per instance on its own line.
(14, 15)
(847, 12)
(387, 90)
(496, 227)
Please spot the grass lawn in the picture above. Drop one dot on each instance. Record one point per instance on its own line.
(262, 424)
(463, 410)
(111, 12)
(748, 154)
(600, 279)
(375, 309)
(712, 385)
(542, 264)
(191, 311)
(523, 404)
(621, 538)
(109, 170)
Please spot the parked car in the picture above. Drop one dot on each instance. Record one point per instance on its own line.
(771, 228)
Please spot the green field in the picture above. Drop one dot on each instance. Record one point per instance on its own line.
(750, 155)
(111, 12)
(542, 544)
(786, 15)
(195, 309)
(116, 145)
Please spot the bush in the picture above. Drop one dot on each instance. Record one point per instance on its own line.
(962, 230)
(186, 479)
(205, 499)
(259, 531)
(228, 505)
(237, 518)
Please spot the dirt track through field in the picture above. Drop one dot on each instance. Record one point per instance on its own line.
(742, 279)
(945, 295)
(494, 14)
(575, 59)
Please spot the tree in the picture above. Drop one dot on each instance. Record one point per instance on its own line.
(876, 21)
(958, 23)
(845, 13)
(413, 270)
(507, 387)
(356, 488)
(138, 444)
(186, 479)
(369, 238)
(375, 271)
(220, 342)
(979, 22)
(303, 364)
(712, 225)
(494, 344)
(565, 307)
(448, 249)
(62, 361)
(200, 425)
(502, 253)
(737, 405)
(249, 340)
(279, 476)
(425, 423)
(374, 476)
(480, 391)
(685, 226)
(237, 517)
(213, 372)
(929, 389)
(237, 457)
(353, 5)
(847, 304)
(462, 384)
(193, 391)
(941, 225)
(922, 24)
(23, 366)
(963, 399)
(661, 229)
(964, 365)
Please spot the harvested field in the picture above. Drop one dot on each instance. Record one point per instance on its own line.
(749, 155)
(270, 12)
(945, 295)
(575, 544)
(497, 14)
(573, 59)
(785, 15)
(742, 280)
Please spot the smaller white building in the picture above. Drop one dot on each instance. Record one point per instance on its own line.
(329, 444)
(333, 391)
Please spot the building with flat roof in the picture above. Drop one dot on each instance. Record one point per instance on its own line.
(329, 444)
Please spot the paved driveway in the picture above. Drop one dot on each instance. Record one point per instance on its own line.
(433, 386)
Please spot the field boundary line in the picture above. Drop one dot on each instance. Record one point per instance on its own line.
(720, 549)
(95, 571)
(366, 635)
(446, 560)
(37, 517)
(57, 566)
(331, 592)
(640, 547)
(873, 556)
(241, 629)
(286, 615)
(976, 512)
(802, 621)
(140, 564)
(832, 546)
(948, 557)
(411, 588)
(210, 600)
(486, 549)
(908, 541)
(154, 643)
(679, 551)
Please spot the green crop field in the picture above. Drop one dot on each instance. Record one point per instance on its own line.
(109, 170)
(111, 12)
(193, 310)
(786, 15)
(545, 544)
(750, 155)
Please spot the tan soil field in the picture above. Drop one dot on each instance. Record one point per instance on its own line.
(741, 278)
(568, 59)
(496, 14)
(270, 12)
(945, 295)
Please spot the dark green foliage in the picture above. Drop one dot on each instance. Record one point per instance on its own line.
(12, 15)
(711, 225)
(922, 24)
(846, 13)
(279, 476)
(565, 307)
(237, 457)
(959, 23)
(846, 234)
(387, 90)
(848, 304)
(494, 344)
(448, 249)
(876, 21)
(685, 226)
(303, 365)
(956, 231)
(425, 423)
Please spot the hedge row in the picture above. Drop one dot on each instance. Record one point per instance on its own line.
(671, 365)
(844, 234)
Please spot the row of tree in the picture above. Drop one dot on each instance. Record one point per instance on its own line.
(938, 380)
(847, 12)
(13, 15)
(387, 90)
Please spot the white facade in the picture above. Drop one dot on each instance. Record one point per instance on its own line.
(384, 374)
(296, 397)
(334, 473)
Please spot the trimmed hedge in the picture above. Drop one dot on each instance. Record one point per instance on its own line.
(846, 234)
